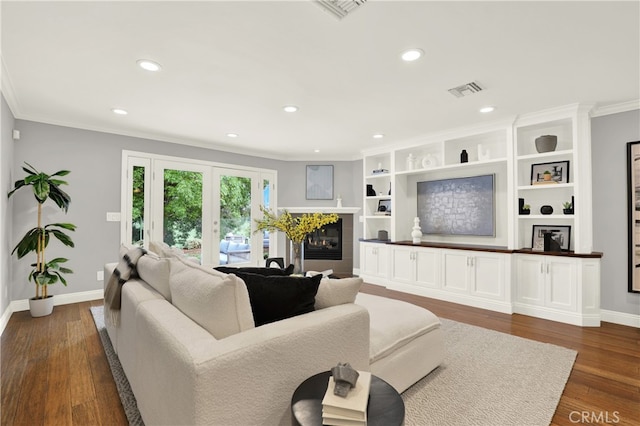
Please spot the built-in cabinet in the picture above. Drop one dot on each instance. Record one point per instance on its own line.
(374, 262)
(558, 288)
(508, 151)
(418, 266)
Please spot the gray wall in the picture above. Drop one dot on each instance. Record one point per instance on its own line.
(94, 159)
(609, 137)
(6, 219)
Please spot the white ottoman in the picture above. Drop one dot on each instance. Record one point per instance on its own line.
(406, 341)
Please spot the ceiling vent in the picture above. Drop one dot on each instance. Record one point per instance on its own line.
(466, 89)
(339, 8)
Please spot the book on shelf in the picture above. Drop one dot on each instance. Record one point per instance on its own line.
(353, 407)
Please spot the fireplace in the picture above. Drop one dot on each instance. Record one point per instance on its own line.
(324, 243)
(343, 265)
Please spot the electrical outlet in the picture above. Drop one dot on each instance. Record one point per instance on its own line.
(100, 275)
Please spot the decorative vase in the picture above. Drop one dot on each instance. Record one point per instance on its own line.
(546, 143)
(546, 209)
(297, 257)
(483, 154)
(41, 307)
(411, 161)
(464, 157)
(416, 233)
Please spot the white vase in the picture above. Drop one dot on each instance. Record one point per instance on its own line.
(41, 307)
(416, 233)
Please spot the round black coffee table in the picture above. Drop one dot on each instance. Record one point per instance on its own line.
(385, 408)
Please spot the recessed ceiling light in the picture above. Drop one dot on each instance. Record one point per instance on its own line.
(316, 150)
(148, 65)
(487, 109)
(378, 136)
(232, 135)
(119, 111)
(410, 55)
(290, 108)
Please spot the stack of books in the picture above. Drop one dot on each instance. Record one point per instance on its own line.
(348, 411)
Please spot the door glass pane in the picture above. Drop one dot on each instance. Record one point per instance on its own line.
(137, 207)
(183, 211)
(235, 219)
(266, 202)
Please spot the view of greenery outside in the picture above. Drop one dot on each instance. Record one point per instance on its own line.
(137, 213)
(235, 206)
(183, 208)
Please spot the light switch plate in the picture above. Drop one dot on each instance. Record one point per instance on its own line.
(113, 216)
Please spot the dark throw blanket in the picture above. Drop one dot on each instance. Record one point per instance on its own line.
(125, 270)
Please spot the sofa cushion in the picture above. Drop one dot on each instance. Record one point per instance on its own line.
(218, 302)
(256, 270)
(155, 271)
(332, 292)
(394, 323)
(274, 298)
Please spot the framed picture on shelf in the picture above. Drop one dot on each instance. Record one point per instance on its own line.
(384, 207)
(559, 237)
(550, 173)
(633, 214)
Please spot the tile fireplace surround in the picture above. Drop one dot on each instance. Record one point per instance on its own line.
(344, 266)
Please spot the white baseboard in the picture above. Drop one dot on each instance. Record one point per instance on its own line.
(621, 318)
(59, 299)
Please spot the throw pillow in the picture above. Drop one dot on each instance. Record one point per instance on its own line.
(155, 271)
(256, 270)
(334, 292)
(218, 302)
(274, 298)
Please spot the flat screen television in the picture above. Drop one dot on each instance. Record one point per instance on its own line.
(458, 206)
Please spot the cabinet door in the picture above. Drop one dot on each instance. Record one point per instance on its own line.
(427, 267)
(369, 258)
(403, 264)
(456, 270)
(488, 275)
(383, 254)
(561, 283)
(530, 279)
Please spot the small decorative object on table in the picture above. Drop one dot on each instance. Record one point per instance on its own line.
(345, 378)
(464, 157)
(296, 229)
(351, 408)
(416, 233)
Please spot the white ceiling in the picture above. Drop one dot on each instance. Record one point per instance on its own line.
(231, 67)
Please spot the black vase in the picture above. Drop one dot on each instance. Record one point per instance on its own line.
(464, 157)
(546, 209)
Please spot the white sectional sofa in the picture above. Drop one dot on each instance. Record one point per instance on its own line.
(182, 374)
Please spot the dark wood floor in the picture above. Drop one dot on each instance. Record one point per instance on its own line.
(54, 370)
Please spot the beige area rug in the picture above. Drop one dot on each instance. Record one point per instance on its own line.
(490, 378)
(487, 379)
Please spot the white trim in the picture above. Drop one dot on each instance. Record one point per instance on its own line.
(622, 318)
(59, 299)
(615, 108)
(344, 210)
(6, 88)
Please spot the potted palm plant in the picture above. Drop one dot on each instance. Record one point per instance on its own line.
(44, 272)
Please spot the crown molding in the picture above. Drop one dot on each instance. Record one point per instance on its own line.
(6, 88)
(615, 108)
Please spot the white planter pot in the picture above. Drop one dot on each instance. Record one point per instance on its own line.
(41, 307)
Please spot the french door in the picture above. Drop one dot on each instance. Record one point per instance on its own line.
(206, 211)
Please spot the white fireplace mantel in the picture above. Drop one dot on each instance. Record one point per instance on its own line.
(338, 210)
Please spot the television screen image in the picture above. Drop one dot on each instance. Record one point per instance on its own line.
(458, 206)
